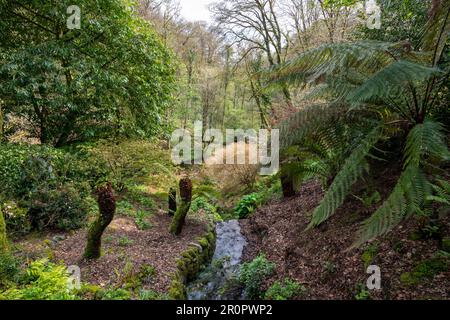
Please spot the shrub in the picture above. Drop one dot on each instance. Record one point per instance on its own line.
(116, 294)
(283, 290)
(247, 205)
(201, 203)
(63, 208)
(9, 269)
(42, 281)
(127, 163)
(43, 187)
(16, 218)
(253, 273)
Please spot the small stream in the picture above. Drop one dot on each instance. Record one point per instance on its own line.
(217, 281)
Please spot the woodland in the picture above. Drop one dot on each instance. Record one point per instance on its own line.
(94, 207)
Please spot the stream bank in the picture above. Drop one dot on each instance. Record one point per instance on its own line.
(218, 280)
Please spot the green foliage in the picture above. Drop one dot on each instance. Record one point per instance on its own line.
(44, 188)
(351, 171)
(247, 205)
(370, 199)
(42, 281)
(138, 194)
(201, 203)
(3, 238)
(389, 82)
(62, 209)
(369, 254)
(128, 164)
(17, 220)
(24, 167)
(111, 78)
(125, 208)
(265, 190)
(284, 290)
(424, 141)
(125, 241)
(141, 220)
(152, 295)
(400, 20)
(9, 270)
(426, 269)
(116, 294)
(253, 273)
(445, 244)
(362, 292)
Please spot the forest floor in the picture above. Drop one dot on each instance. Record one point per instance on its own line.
(320, 259)
(127, 252)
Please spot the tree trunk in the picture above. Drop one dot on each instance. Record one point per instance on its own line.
(180, 215)
(172, 201)
(2, 136)
(107, 207)
(287, 184)
(3, 240)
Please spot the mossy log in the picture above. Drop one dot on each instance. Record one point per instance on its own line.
(107, 208)
(180, 215)
(3, 240)
(172, 201)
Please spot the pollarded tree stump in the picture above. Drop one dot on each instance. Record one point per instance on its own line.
(182, 210)
(172, 201)
(287, 185)
(107, 207)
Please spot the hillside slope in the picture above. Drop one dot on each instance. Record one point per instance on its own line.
(321, 260)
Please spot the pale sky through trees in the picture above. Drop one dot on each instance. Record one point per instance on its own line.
(195, 10)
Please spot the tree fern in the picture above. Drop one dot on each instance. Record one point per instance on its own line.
(391, 81)
(301, 123)
(352, 169)
(441, 192)
(412, 189)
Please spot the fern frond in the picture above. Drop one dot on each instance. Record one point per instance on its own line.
(326, 60)
(442, 192)
(407, 196)
(390, 81)
(412, 188)
(437, 32)
(307, 120)
(426, 140)
(351, 171)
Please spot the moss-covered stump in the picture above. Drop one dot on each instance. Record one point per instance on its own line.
(107, 208)
(180, 215)
(3, 240)
(191, 263)
(172, 201)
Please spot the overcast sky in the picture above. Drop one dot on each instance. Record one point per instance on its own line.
(194, 10)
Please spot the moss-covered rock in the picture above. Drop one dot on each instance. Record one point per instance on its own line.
(191, 263)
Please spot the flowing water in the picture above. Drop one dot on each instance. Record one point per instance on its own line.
(216, 281)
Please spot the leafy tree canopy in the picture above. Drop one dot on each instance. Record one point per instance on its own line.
(110, 77)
